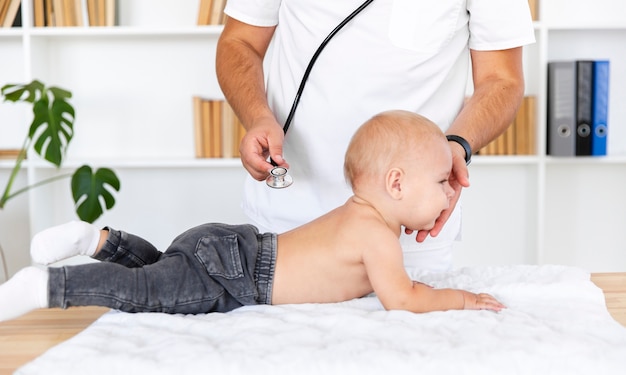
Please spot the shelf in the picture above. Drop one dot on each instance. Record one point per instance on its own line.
(586, 28)
(124, 31)
(131, 164)
(530, 160)
(477, 160)
(11, 32)
(586, 160)
(504, 160)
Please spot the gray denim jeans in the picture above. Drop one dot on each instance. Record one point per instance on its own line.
(209, 268)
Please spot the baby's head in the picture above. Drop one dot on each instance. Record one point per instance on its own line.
(389, 138)
(400, 163)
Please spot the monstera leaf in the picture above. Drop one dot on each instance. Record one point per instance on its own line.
(50, 134)
(52, 127)
(89, 187)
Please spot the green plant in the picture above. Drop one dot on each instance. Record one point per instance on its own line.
(49, 135)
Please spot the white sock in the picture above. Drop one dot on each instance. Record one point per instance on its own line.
(64, 241)
(26, 291)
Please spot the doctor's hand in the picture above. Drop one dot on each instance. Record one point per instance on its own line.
(262, 140)
(459, 178)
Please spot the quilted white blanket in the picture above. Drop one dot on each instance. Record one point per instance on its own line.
(556, 323)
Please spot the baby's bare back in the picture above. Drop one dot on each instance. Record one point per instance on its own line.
(321, 261)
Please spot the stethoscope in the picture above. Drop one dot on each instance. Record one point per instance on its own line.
(279, 177)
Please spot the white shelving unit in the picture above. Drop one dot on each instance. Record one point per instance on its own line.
(545, 209)
(132, 87)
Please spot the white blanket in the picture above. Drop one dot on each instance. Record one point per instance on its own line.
(556, 323)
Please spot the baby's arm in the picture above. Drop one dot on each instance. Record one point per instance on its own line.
(423, 298)
(396, 291)
(480, 301)
(472, 301)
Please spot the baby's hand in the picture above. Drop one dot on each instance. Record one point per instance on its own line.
(481, 301)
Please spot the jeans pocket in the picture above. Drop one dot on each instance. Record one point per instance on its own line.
(423, 26)
(220, 256)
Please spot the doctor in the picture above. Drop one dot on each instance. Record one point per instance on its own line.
(395, 54)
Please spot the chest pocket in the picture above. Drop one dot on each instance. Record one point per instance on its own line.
(423, 26)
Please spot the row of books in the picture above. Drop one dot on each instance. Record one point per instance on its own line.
(520, 136)
(62, 13)
(9, 153)
(10, 13)
(102, 12)
(217, 130)
(578, 101)
(211, 12)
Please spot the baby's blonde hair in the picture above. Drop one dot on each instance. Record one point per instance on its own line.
(383, 140)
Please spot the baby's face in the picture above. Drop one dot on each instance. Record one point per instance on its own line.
(428, 191)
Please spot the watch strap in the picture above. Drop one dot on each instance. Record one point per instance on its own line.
(464, 143)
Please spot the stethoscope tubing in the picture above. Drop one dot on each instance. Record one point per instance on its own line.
(306, 74)
(309, 67)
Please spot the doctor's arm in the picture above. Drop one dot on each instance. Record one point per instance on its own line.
(239, 67)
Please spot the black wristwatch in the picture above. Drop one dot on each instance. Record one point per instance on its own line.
(465, 144)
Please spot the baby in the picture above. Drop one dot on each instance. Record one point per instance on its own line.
(397, 164)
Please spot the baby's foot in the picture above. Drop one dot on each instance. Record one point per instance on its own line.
(64, 241)
(26, 291)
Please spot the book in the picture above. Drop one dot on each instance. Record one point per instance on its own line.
(584, 106)
(39, 13)
(519, 126)
(217, 12)
(92, 13)
(9, 153)
(228, 130)
(58, 13)
(80, 13)
(197, 126)
(101, 12)
(206, 143)
(204, 12)
(68, 13)
(4, 7)
(17, 21)
(10, 12)
(50, 20)
(561, 121)
(217, 130)
(211, 142)
(599, 123)
(110, 12)
(533, 5)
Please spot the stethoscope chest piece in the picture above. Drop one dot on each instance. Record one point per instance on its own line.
(279, 178)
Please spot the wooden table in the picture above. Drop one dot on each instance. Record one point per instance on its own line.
(614, 287)
(24, 339)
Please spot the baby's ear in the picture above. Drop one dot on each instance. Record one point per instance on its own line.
(393, 182)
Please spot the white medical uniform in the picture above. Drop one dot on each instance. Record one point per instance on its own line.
(396, 54)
